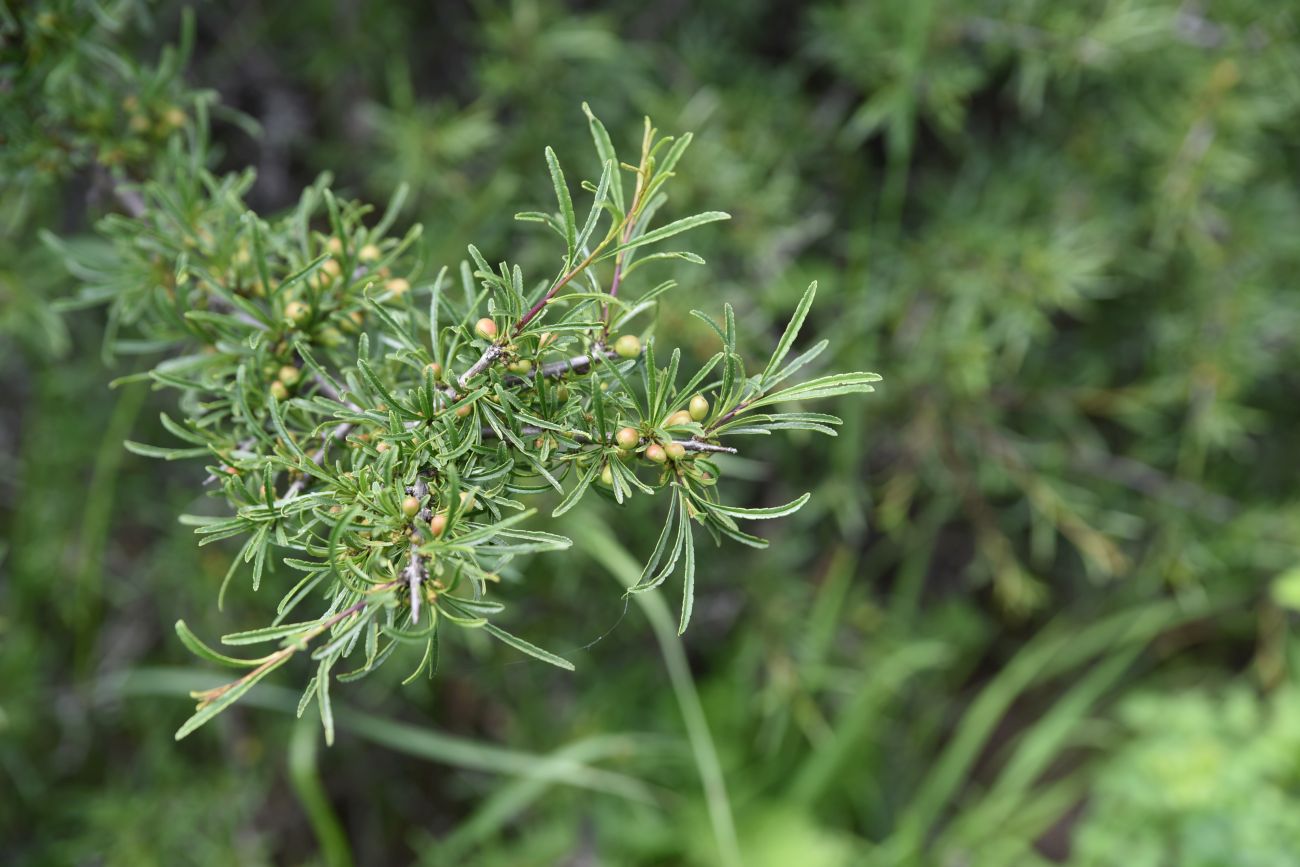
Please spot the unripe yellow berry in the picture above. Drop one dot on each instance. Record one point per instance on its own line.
(656, 453)
(627, 438)
(331, 267)
(382, 447)
(628, 346)
(561, 392)
(606, 476)
(334, 245)
(297, 312)
(435, 368)
(467, 501)
(410, 506)
(278, 391)
(289, 375)
(353, 321)
(486, 328)
(698, 408)
(173, 118)
(680, 417)
(465, 410)
(521, 366)
(398, 286)
(437, 524)
(676, 451)
(368, 253)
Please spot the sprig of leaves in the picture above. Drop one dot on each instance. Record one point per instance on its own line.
(385, 434)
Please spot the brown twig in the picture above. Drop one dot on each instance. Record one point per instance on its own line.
(414, 575)
(554, 369)
(207, 697)
(691, 445)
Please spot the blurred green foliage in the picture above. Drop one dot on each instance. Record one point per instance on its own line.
(1027, 617)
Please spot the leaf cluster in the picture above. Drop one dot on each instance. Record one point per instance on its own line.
(387, 434)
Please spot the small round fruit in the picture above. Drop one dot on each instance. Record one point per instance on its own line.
(437, 524)
(628, 346)
(297, 312)
(398, 286)
(173, 118)
(334, 245)
(368, 253)
(520, 367)
(561, 392)
(289, 374)
(627, 438)
(698, 407)
(467, 501)
(382, 447)
(465, 410)
(678, 418)
(676, 451)
(607, 476)
(486, 328)
(656, 453)
(410, 506)
(353, 321)
(278, 391)
(435, 368)
(331, 337)
(331, 267)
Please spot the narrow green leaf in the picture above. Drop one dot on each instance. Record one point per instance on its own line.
(201, 650)
(148, 451)
(267, 633)
(664, 232)
(791, 331)
(826, 386)
(763, 513)
(228, 698)
(566, 207)
(531, 649)
(688, 573)
(323, 698)
(605, 150)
